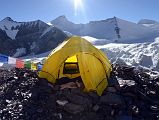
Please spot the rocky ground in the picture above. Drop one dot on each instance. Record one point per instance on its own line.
(132, 94)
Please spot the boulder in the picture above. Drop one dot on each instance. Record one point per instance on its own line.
(111, 99)
(80, 100)
(111, 89)
(73, 108)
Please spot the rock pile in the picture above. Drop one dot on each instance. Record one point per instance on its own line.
(23, 96)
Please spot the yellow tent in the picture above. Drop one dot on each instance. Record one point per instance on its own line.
(77, 57)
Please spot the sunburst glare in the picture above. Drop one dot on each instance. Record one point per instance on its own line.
(78, 4)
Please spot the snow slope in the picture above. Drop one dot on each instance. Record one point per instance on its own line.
(47, 30)
(96, 41)
(19, 52)
(37, 57)
(144, 54)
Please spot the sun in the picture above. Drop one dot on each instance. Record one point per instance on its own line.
(77, 5)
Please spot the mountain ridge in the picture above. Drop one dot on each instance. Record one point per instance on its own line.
(28, 37)
(106, 29)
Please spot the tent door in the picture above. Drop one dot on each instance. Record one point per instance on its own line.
(92, 73)
(70, 68)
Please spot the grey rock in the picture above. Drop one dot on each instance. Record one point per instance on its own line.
(80, 100)
(39, 110)
(125, 118)
(95, 108)
(111, 98)
(111, 89)
(73, 108)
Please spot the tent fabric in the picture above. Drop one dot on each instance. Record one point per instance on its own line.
(94, 66)
(72, 59)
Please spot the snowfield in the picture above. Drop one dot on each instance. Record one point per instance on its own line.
(144, 54)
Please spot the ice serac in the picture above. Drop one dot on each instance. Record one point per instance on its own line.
(114, 29)
(144, 54)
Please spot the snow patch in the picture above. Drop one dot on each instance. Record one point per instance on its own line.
(20, 52)
(39, 56)
(33, 46)
(147, 25)
(96, 41)
(68, 33)
(1, 64)
(47, 30)
(49, 23)
(90, 39)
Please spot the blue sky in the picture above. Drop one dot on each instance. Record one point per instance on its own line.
(47, 10)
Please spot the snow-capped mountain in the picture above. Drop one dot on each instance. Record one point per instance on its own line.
(10, 27)
(114, 29)
(22, 38)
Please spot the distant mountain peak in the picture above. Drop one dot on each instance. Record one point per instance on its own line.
(61, 18)
(8, 19)
(115, 29)
(35, 22)
(22, 38)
